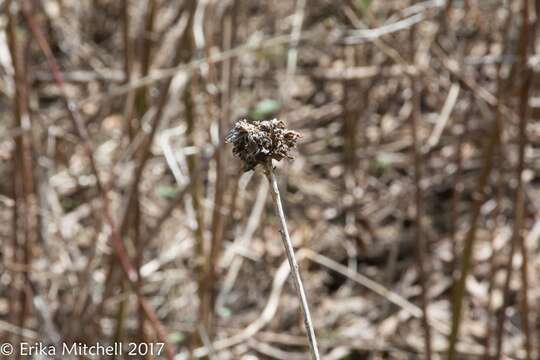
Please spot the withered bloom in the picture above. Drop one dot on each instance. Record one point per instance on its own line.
(260, 142)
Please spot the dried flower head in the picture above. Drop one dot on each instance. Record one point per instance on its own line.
(260, 142)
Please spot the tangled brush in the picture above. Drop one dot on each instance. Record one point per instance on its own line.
(260, 142)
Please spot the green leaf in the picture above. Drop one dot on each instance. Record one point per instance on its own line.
(224, 312)
(265, 109)
(176, 337)
(166, 191)
(363, 4)
(381, 162)
(384, 160)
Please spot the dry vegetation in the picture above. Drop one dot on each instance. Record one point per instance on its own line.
(412, 200)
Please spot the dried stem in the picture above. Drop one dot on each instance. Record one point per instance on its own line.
(492, 260)
(519, 207)
(195, 191)
(141, 107)
(421, 246)
(500, 180)
(520, 193)
(24, 157)
(128, 66)
(461, 132)
(470, 238)
(269, 171)
(15, 291)
(221, 185)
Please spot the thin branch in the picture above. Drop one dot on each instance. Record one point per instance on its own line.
(448, 106)
(519, 207)
(359, 36)
(470, 238)
(292, 55)
(269, 171)
(421, 245)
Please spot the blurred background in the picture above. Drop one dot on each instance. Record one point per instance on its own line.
(412, 200)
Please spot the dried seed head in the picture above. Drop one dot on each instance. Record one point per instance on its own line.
(260, 142)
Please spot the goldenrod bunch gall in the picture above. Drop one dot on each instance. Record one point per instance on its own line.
(260, 142)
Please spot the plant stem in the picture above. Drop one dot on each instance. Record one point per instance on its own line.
(289, 250)
(519, 210)
(421, 244)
